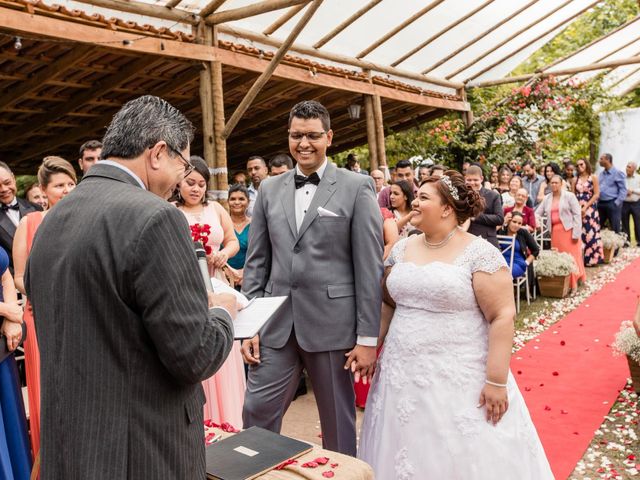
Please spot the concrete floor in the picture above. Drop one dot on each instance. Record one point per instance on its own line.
(302, 421)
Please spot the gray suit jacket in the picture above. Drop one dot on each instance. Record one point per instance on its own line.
(330, 269)
(125, 335)
(8, 229)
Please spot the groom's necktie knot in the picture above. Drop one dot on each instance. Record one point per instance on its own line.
(301, 180)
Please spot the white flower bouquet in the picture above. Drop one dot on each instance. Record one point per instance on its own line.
(612, 240)
(551, 263)
(627, 342)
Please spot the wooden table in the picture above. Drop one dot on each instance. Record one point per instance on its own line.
(343, 467)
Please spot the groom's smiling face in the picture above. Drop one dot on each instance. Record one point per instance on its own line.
(310, 150)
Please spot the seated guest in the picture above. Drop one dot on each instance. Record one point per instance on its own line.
(280, 164)
(485, 224)
(520, 205)
(33, 194)
(238, 204)
(401, 197)
(57, 178)
(509, 197)
(525, 248)
(564, 219)
(225, 390)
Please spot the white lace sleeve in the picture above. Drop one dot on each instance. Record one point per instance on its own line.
(486, 258)
(396, 254)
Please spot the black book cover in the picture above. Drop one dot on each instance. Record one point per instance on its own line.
(251, 453)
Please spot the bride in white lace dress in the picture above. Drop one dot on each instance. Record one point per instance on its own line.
(443, 403)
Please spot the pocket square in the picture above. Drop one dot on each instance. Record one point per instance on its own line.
(323, 212)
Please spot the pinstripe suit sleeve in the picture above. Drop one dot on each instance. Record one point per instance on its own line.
(170, 294)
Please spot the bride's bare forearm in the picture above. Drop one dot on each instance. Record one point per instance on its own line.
(500, 344)
(385, 321)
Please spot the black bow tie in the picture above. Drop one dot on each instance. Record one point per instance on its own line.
(301, 180)
(6, 208)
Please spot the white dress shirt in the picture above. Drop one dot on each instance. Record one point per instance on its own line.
(126, 169)
(633, 186)
(14, 215)
(253, 195)
(303, 198)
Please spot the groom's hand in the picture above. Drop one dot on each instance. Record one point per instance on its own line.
(251, 350)
(362, 362)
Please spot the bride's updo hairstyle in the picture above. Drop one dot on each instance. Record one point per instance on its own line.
(468, 203)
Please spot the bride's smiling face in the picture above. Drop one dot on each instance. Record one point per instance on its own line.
(427, 208)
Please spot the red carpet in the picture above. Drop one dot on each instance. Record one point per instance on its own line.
(570, 379)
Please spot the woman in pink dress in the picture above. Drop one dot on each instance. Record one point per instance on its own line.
(225, 390)
(57, 178)
(563, 213)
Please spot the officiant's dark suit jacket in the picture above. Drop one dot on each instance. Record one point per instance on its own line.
(125, 335)
(8, 229)
(484, 225)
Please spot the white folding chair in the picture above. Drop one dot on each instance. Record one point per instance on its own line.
(508, 248)
(542, 234)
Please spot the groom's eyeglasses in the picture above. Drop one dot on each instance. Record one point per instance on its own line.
(188, 166)
(311, 136)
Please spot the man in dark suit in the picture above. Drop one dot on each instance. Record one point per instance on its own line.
(12, 209)
(316, 237)
(485, 225)
(121, 312)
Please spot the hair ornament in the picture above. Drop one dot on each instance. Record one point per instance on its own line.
(452, 190)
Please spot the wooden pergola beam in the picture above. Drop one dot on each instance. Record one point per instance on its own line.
(590, 44)
(44, 75)
(622, 47)
(284, 18)
(172, 3)
(399, 28)
(141, 8)
(437, 35)
(519, 32)
(75, 101)
(531, 42)
(251, 10)
(42, 26)
(630, 89)
(478, 37)
(264, 77)
(566, 71)
(334, 57)
(210, 8)
(324, 40)
(618, 81)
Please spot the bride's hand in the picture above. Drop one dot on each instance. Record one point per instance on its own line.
(496, 401)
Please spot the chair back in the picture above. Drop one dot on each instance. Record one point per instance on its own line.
(507, 247)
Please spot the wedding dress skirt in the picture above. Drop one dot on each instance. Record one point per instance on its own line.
(422, 419)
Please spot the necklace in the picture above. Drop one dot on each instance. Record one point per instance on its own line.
(240, 225)
(441, 243)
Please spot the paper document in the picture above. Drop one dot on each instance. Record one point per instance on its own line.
(252, 317)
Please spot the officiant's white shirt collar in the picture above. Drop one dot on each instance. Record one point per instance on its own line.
(125, 169)
(320, 170)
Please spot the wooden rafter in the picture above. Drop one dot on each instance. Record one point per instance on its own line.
(44, 75)
(620, 48)
(399, 28)
(211, 7)
(102, 121)
(324, 40)
(284, 18)
(590, 44)
(479, 37)
(132, 69)
(516, 34)
(334, 57)
(437, 35)
(531, 42)
(566, 71)
(172, 3)
(630, 88)
(251, 10)
(264, 77)
(618, 81)
(141, 8)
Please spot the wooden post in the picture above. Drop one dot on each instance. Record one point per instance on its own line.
(374, 161)
(220, 143)
(205, 35)
(467, 117)
(379, 125)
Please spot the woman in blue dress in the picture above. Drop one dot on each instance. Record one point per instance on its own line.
(238, 204)
(525, 248)
(15, 450)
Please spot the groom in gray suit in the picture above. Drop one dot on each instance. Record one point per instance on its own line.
(316, 237)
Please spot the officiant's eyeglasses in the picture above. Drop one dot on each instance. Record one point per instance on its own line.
(188, 166)
(311, 136)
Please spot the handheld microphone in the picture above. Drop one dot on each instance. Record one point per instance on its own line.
(202, 263)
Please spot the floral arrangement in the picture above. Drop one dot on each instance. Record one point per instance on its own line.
(551, 263)
(627, 341)
(612, 240)
(200, 233)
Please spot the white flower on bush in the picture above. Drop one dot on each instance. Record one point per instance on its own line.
(612, 240)
(551, 263)
(627, 342)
